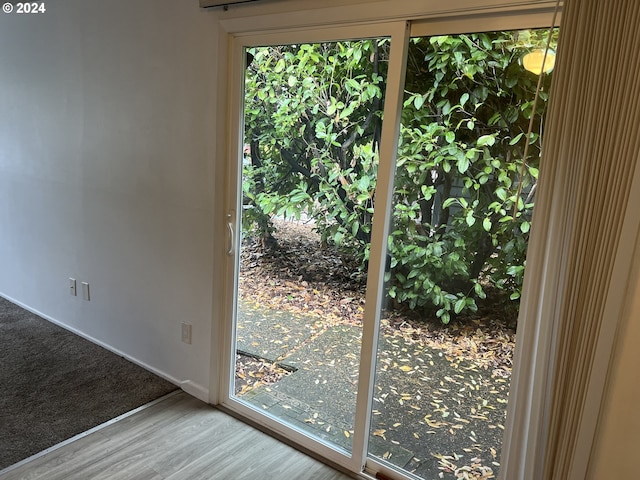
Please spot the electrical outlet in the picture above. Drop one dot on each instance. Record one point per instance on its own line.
(186, 333)
(72, 287)
(85, 291)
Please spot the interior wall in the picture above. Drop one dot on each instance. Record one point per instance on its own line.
(107, 138)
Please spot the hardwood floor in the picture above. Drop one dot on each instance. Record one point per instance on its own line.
(178, 438)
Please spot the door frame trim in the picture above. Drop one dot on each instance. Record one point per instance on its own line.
(530, 368)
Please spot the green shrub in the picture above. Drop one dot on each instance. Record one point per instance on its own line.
(313, 118)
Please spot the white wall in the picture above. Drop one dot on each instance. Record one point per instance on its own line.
(107, 137)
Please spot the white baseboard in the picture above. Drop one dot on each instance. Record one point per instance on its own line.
(195, 390)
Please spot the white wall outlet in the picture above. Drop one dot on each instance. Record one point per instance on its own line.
(186, 333)
(85, 291)
(72, 287)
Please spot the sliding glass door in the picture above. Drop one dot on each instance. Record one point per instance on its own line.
(312, 125)
(312, 131)
(378, 226)
(462, 206)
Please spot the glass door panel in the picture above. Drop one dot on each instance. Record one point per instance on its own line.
(312, 126)
(461, 214)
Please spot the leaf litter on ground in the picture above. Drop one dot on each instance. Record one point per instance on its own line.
(474, 354)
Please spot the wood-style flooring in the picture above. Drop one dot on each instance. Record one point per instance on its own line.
(178, 438)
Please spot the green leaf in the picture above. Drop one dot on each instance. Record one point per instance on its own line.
(514, 270)
(450, 137)
(486, 224)
(299, 196)
(470, 219)
(525, 227)
(279, 66)
(486, 140)
(516, 139)
(352, 85)
(459, 306)
(348, 111)
(463, 164)
(428, 192)
(448, 202)
(479, 291)
(364, 183)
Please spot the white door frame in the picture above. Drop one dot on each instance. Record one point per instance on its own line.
(281, 28)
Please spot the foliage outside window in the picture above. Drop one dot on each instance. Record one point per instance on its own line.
(313, 118)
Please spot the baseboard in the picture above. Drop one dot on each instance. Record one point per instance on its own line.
(192, 388)
(195, 390)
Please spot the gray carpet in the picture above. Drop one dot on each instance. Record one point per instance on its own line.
(54, 384)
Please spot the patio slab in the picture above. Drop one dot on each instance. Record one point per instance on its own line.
(272, 334)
